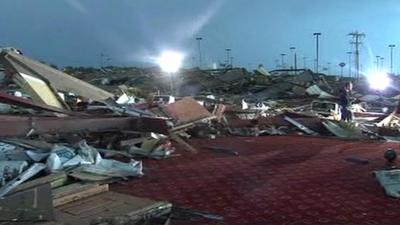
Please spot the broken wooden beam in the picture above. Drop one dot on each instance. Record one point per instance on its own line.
(17, 126)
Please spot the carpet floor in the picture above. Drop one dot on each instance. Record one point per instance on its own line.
(274, 180)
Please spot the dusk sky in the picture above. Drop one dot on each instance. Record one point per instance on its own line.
(133, 32)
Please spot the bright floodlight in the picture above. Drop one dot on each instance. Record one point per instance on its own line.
(379, 81)
(170, 61)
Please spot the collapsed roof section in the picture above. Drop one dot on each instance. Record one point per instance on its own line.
(42, 81)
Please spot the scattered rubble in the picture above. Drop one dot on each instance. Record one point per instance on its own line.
(94, 127)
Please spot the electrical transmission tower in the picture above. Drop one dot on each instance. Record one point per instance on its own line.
(357, 41)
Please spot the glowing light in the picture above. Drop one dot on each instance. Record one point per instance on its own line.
(170, 61)
(379, 81)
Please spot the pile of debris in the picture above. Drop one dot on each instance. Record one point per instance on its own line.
(86, 133)
(267, 103)
(66, 139)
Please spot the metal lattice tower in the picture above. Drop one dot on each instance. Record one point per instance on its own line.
(357, 41)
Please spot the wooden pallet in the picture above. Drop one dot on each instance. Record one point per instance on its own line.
(107, 205)
(79, 202)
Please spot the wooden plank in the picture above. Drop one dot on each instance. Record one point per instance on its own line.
(97, 207)
(28, 143)
(55, 180)
(84, 176)
(102, 210)
(83, 203)
(61, 197)
(108, 205)
(132, 141)
(300, 126)
(123, 205)
(182, 142)
(71, 188)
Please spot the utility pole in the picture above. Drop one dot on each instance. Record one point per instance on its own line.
(391, 57)
(317, 50)
(382, 60)
(199, 39)
(357, 41)
(228, 55)
(283, 60)
(349, 65)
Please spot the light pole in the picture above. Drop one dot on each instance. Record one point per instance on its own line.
(391, 57)
(377, 62)
(295, 63)
(292, 57)
(329, 68)
(317, 50)
(342, 64)
(228, 57)
(283, 60)
(349, 53)
(382, 60)
(199, 39)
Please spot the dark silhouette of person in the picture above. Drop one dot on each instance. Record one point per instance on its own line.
(345, 101)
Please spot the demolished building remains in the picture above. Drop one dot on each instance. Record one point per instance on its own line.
(68, 136)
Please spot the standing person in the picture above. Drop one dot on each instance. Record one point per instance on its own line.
(345, 101)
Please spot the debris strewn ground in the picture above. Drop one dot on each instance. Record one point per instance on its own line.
(80, 130)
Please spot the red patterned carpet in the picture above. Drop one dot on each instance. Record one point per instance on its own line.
(274, 180)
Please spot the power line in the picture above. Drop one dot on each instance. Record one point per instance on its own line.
(357, 41)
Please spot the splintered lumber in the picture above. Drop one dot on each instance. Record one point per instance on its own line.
(76, 191)
(182, 142)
